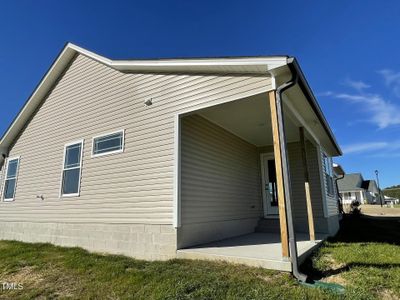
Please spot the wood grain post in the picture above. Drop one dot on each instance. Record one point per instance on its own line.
(279, 175)
(307, 185)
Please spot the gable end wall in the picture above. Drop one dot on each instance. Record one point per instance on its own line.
(134, 187)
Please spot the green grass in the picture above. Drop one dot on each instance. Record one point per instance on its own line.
(47, 271)
(367, 265)
(364, 256)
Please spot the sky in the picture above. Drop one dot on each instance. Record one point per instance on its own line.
(348, 50)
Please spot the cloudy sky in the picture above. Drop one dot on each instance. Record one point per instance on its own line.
(348, 51)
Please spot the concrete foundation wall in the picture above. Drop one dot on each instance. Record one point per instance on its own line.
(323, 225)
(151, 242)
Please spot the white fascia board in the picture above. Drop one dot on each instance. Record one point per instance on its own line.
(268, 63)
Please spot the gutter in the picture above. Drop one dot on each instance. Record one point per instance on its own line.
(286, 179)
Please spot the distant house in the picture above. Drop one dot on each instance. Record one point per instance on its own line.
(391, 200)
(338, 173)
(371, 191)
(338, 170)
(151, 157)
(353, 187)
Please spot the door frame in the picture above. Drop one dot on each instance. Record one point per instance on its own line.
(267, 213)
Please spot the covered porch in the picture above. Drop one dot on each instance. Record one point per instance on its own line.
(257, 249)
(232, 191)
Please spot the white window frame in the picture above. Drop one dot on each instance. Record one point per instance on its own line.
(63, 169)
(110, 152)
(5, 178)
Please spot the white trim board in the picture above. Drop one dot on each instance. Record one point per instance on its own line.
(61, 195)
(5, 178)
(92, 155)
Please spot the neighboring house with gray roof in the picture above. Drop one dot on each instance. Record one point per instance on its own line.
(350, 188)
(354, 187)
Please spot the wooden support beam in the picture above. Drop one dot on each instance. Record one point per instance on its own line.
(279, 175)
(307, 185)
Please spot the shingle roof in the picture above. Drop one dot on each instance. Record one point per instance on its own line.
(365, 184)
(370, 185)
(350, 182)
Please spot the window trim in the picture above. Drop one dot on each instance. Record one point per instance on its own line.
(93, 155)
(61, 195)
(5, 178)
(328, 170)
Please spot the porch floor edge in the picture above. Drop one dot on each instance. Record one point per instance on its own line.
(248, 261)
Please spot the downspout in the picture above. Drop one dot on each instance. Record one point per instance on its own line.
(286, 178)
(340, 199)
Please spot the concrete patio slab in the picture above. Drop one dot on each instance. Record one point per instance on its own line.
(254, 249)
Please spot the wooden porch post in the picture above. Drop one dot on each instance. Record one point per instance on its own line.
(279, 175)
(307, 185)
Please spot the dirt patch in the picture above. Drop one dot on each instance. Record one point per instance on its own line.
(26, 276)
(332, 263)
(50, 281)
(377, 210)
(270, 278)
(388, 295)
(335, 271)
(338, 279)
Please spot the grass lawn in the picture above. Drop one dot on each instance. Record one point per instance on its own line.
(364, 257)
(367, 263)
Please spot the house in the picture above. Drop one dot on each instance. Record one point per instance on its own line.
(353, 187)
(338, 170)
(338, 174)
(391, 200)
(152, 158)
(371, 191)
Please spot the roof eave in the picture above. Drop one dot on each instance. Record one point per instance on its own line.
(204, 65)
(305, 87)
(163, 65)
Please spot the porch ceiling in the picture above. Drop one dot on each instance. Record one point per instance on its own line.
(250, 119)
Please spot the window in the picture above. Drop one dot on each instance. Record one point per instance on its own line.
(10, 179)
(71, 175)
(328, 175)
(347, 196)
(108, 144)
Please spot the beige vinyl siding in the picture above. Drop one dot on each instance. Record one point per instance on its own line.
(220, 174)
(220, 180)
(331, 201)
(90, 99)
(314, 173)
(297, 183)
(314, 158)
